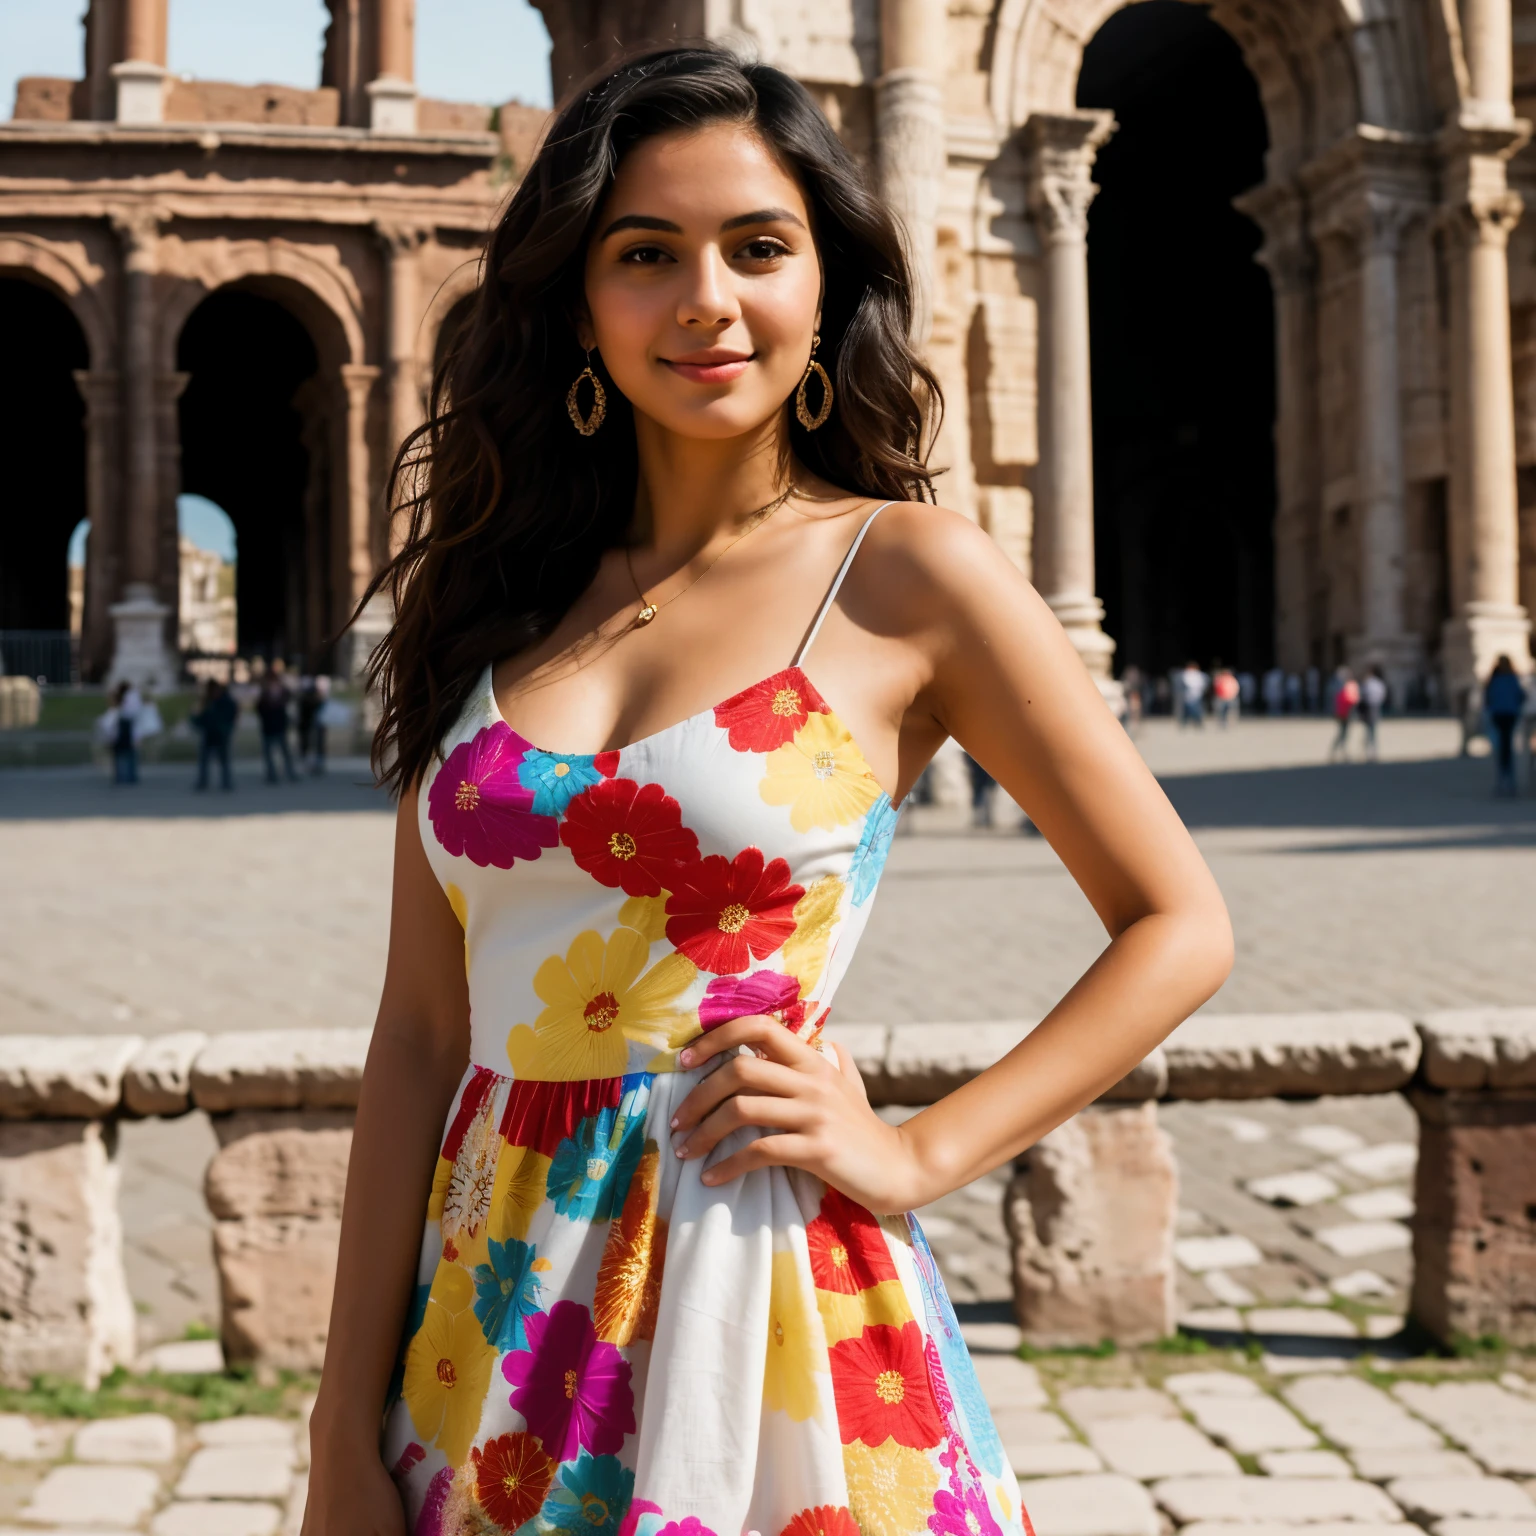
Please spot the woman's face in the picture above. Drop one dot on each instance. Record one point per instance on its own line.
(703, 283)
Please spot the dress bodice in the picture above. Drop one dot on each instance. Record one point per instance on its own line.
(616, 904)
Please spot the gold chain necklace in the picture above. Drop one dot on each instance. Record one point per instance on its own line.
(649, 610)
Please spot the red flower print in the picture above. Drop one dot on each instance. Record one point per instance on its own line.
(628, 835)
(734, 997)
(541, 1115)
(606, 763)
(571, 1387)
(882, 1390)
(480, 810)
(724, 913)
(825, 1520)
(512, 1475)
(768, 714)
(848, 1251)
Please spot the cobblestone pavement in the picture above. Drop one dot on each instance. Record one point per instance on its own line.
(1136, 1448)
(1398, 884)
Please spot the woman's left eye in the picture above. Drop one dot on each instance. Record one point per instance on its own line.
(763, 250)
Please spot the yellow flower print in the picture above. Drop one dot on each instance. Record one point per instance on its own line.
(821, 776)
(453, 1288)
(447, 1374)
(890, 1487)
(521, 1177)
(805, 950)
(598, 1001)
(647, 915)
(460, 904)
(795, 1354)
(844, 1316)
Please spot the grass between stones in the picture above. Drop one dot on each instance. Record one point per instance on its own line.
(226, 1395)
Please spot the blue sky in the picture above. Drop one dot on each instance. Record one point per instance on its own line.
(202, 521)
(466, 50)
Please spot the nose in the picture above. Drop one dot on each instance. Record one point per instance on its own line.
(708, 298)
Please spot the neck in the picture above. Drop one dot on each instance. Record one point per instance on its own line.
(692, 489)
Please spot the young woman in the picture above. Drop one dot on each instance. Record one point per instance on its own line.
(678, 628)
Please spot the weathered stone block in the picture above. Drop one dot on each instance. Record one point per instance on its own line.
(1052, 1460)
(280, 1069)
(1090, 1214)
(64, 1303)
(237, 1472)
(1474, 1231)
(1250, 1425)
(1008, 1382)
(923, 1062)
(1357, 1416)
(1480, 1048)
(1426, 1499)
(1261, 1500)
(158, 1079)
(276, 1187)
(147, 1437)
(1159, 1447)
(1091, 1405)
(1259, 1055)
(115, 1497)
(1096, 1505)
(63, 1077)
(204, 1517)
(1304, 1464)
(1495, 1425)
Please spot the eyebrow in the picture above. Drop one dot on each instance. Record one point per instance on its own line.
(648, 221)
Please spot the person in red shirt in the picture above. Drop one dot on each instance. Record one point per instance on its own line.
(1346, 700)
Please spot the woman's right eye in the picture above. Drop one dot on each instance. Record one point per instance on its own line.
(644, 255)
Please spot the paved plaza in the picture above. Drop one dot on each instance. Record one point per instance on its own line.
(1400, 884)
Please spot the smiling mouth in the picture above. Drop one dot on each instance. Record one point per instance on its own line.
(720, 370)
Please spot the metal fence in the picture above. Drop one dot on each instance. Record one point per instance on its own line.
(49, 655)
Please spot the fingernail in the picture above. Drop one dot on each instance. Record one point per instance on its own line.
(686, 1058)
(675, 1119)
(681, 1151)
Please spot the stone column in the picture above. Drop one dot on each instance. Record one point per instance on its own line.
(1380, 492)
(1291, 263)
(102, 393)
(392, 92)
(168, 392)
(141, 75)
(140, 653)
(355, 544)
(1060, 189)
(1487, 36)
(1479, 213)
(402, 248)
(909, 129)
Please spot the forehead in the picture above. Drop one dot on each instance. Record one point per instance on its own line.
(703, 176)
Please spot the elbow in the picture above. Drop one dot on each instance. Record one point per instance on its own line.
(1212, 948)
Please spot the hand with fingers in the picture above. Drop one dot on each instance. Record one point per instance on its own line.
(817, 1108)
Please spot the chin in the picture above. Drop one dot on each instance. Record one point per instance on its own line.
(718, 422)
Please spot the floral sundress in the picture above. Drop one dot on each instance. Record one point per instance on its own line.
(601, 1345)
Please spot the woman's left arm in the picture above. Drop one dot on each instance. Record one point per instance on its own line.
(1002, 677)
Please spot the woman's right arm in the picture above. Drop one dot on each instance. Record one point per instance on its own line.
(417, 1056)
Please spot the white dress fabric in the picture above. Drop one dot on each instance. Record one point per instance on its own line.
(601, 1344)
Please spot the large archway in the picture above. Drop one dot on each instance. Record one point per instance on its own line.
(42, 492)
(254, 441)
(1182, 331)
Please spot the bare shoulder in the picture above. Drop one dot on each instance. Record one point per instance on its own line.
(934, 561)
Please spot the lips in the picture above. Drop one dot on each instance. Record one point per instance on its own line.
(702, 368)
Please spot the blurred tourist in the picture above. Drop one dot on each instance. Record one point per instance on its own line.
(1227, 691)
(1274, 691)
(1346, 697)
(272, 710)
(1132, 704)
(215, 724)
(1504, 701)
(1190, 686)
(309, 727)
(1373, 699)
(1293, 693)
(1313, 685)
(982, 786)
(126, 704)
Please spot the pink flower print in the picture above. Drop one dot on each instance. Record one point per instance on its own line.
(734, 997)
(637, 1508)
(571, 1387)
(962, 1514)
(692, 1526)
(480, 809)
(430, 1521)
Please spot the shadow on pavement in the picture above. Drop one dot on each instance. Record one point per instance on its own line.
(1443, 793)
(165, 791)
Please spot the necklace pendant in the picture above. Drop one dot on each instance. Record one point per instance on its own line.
(645, 615)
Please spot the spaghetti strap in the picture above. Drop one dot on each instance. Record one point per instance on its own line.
(837, 581)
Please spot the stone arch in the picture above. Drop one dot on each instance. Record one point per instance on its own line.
(75, 282)
(1322, 65)
(323, 297)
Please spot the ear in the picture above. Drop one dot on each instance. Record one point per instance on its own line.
(581, 323)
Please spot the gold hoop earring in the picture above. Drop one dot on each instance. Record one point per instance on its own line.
(802, 409)
(589, 424)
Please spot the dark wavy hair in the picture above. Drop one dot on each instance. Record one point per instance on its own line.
(510, 510)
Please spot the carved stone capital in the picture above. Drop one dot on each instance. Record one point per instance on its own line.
(138, 227)
(1287, 254)
(1483, 218)
(1060, 148)
(100, 389)
(358, 380)
(401, 238)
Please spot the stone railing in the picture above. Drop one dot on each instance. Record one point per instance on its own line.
(1090, 1209)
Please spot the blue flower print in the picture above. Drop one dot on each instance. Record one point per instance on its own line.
(556, 778)
(591, 1498)
(507, 1291)
(874, 848)
(590, 1174)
